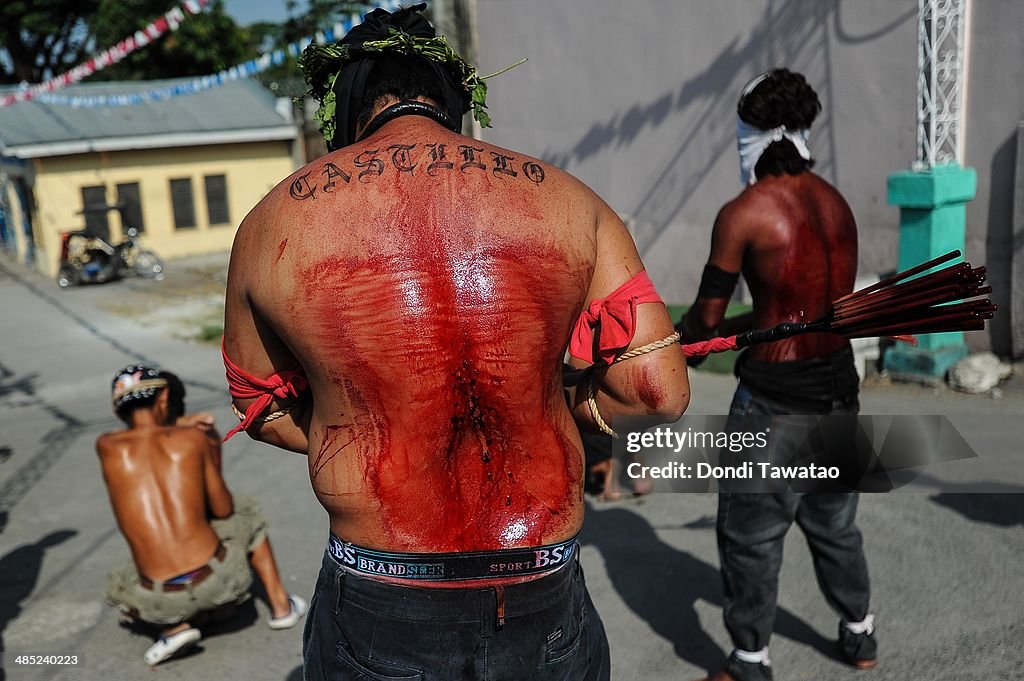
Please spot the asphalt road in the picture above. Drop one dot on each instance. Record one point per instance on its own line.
(946, 567)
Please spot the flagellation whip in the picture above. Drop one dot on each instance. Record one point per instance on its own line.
(898, 307)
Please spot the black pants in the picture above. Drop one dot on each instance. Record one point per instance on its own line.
(359, 628)
(752, 529)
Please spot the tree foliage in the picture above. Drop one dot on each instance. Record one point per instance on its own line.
(39, 40)
(319, 14)
(286, 79)
(44, 39)
(204, 43)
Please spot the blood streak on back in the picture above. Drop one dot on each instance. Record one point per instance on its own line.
(446, 342)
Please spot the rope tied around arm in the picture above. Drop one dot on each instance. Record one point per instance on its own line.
(635, 352)
(689, 349)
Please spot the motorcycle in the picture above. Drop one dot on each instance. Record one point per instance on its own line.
(87, 259)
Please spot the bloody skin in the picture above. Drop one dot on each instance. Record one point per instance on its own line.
(428, 290)
(430, 307)
(437, 367)
(648, 390)
(795, 240)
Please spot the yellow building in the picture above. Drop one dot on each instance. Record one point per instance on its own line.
(184, 170)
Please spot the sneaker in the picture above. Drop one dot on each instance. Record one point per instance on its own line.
(288, 621)
(738, 670)
(859, 649)
(747, 671)
(169, 646)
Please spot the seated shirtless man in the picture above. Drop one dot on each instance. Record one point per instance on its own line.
(188, 537)
(405, 302)
(794, 239)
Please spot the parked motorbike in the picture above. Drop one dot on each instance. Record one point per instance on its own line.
(87, 259)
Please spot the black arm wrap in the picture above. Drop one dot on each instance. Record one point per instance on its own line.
(717, 283)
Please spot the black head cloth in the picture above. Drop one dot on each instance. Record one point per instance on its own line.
(351, 81)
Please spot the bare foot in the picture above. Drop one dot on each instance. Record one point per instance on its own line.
(642, 486)
(176, 629)
(612, 491)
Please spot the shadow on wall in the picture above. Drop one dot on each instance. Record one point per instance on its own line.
(999, 243)
(791, 33)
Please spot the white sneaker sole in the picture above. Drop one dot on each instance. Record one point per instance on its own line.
(168, 647)
(299, 607)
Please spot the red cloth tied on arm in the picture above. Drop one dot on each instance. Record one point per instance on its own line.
(616, 317)
(244, 386)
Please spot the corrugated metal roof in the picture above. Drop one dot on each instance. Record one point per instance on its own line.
(235, 106)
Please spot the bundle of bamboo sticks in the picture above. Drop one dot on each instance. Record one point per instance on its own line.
(940, 301)
(926, 304)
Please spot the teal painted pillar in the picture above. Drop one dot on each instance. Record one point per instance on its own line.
(933, 221)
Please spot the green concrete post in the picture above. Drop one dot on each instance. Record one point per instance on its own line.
(933, 221)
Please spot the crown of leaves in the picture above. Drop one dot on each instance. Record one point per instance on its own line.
(321, 65)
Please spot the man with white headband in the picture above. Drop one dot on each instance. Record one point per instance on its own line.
(794, 239)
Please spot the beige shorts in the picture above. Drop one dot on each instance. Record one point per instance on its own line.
(228, 585)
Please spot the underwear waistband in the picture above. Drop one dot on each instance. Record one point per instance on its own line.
(448, 567)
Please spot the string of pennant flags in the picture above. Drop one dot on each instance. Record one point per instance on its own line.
(168, 23)
(44, 92)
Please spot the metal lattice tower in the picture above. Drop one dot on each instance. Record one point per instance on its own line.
(940, 78)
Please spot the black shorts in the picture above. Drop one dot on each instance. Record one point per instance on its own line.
(360, 628)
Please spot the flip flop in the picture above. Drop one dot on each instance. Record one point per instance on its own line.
(168, 646)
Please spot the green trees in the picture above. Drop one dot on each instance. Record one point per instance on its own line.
(39, 40)
(204, 43)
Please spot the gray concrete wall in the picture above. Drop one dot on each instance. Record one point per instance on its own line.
(638, 100)
(995, 106)
(1017, 263)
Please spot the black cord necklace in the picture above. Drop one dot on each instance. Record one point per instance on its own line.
(409, 108)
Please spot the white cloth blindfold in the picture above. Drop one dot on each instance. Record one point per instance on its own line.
(752, 142)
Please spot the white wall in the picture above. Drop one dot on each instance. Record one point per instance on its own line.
(638, 100)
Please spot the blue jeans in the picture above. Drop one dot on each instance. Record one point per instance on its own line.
(751, 531)
(359, 628)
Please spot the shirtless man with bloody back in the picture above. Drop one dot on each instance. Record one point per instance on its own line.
(399, 311)
(794, 239)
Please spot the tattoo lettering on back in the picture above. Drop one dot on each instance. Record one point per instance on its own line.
(533, 171)
(501, 166)
(400, 157)
(333, 172)
(370, 164)
(300, 188)
(373, 165)
(469, 158)
(438, 162)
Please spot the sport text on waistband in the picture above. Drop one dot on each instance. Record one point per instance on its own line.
(447, 567)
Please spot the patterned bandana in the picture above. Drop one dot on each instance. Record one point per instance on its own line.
(135, 382)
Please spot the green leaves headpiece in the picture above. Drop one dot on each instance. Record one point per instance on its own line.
(322, 65)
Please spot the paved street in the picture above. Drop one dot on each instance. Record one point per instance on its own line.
(946, 568)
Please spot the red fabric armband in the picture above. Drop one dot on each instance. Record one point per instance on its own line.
(616, 317)
(244, 386)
